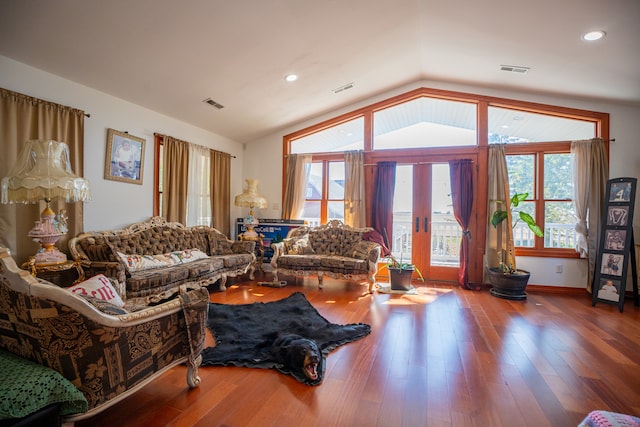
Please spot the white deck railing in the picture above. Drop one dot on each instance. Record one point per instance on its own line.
(446, 235)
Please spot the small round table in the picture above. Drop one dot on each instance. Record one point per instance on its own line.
(55, 273)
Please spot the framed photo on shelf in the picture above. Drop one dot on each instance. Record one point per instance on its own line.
(615, 239)
(124, 159)
(618, 215)
(616, 246)
(612, 264)
(609, 290)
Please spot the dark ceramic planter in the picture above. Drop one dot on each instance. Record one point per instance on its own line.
(400, 278)
(509, 285)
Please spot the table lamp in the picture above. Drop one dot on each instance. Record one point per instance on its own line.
(250, 199)
(43, 172)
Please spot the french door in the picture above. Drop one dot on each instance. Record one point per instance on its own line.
(425, 232)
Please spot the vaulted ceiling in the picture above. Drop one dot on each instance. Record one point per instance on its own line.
(169, 55)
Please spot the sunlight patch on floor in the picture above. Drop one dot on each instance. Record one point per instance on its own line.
(420, 295)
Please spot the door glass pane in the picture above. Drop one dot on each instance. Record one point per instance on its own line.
(335, 210)
(445, 230)
(336, 181)
(314, 185)
(559, 225)
(515, 126)
(425, 122)
(402, 213)
(558, 177)
(343, 137)
(522, 236)
(521, 174)
(311, 213)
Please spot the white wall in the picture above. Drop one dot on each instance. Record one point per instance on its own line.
(624, 162)
(115, 204)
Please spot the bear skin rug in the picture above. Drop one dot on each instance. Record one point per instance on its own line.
(288, 335)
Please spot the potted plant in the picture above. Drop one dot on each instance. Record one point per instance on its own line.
(508, 281)
(400, 273)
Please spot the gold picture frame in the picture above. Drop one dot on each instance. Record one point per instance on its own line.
(124, 160)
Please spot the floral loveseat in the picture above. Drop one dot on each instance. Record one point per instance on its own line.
(151, 260)
(334, 249)
(106, 351)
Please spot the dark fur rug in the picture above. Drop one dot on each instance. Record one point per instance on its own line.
(245, 333)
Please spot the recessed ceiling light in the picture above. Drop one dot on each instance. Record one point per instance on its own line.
(592, 36)
(291, 77)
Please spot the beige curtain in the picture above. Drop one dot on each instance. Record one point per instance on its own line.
(298, 168)
(499, 242)
(220, 191)
(590, 176)
(175, 179)
(23, 118)
(199, 186)
(354, 196)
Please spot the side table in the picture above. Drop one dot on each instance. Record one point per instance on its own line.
(259, 251)
(59, 274)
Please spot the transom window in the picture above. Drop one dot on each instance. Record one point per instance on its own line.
(425, 122)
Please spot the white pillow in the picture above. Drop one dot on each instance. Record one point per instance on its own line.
(183, 257)
(143, 262)
(99, 287)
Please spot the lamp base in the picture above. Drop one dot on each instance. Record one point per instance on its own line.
(50, 257)
(47, 232)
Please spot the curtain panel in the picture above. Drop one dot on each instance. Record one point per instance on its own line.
(297, 178)
(220, 176)
(499, 246)
(382, 213)
(590, 176)
(354, 195)
(175, 179)
(461, 175)
(23, 118)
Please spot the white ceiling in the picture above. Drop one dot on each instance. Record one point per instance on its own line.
(170, 55)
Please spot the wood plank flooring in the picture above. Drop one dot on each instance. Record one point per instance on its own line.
(443, 357)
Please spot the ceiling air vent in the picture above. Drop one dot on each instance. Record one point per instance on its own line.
(214, 103)
(343, 88)
(514, 69)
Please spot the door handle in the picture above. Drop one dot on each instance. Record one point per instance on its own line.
(417, 224)
(426, 224)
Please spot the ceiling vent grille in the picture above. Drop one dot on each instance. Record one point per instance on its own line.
(214, 103)
(514, 69)
(343, 88)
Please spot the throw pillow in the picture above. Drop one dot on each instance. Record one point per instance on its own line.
(98, 287)
(143, 262)
(300, 246)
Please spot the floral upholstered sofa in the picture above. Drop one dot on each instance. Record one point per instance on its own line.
(152, 260)
(106, 351)
(334, 249)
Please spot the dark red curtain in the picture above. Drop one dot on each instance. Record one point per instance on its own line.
(461, 173)
(382, 215)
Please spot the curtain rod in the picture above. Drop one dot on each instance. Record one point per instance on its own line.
(197, 145)
(416, 163)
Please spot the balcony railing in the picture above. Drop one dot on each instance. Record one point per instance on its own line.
(446, 235)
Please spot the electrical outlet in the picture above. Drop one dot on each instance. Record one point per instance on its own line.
(558, 268)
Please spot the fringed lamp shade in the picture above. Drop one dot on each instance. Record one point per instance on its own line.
(43, 172)
(250, 199)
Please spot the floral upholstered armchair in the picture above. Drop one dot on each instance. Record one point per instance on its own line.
(106, 351)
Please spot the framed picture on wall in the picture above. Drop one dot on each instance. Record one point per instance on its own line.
(124, 159)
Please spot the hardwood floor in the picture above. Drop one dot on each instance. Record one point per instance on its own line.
(444, 357)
